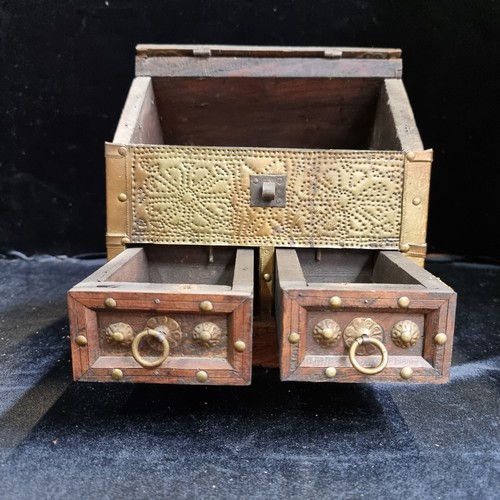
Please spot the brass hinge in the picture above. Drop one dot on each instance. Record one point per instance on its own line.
(202, 52)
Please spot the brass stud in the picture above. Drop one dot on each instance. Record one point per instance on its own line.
(110, 302)
(125, 240)
(327, 333)
(240, 346)
(411, 156)
(293, 338)
(122, 197)
(403, 302)
(206, 306)
(267, 277)
(406, 373)
(416, 201)
(81, 341)
(335, 302)
(441, 339)
(201, 376)
(405, 247)
(330, 372)
(116, 374)
(118, 336)
(122, 151)
(205, 336)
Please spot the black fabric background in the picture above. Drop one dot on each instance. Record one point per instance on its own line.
(66, 67)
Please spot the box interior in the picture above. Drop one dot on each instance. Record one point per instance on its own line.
(267, 112)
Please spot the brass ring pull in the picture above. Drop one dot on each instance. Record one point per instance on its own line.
(365, 339)
(160, 338)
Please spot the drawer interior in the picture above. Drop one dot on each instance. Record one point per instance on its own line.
(349, 266)
(176, 265)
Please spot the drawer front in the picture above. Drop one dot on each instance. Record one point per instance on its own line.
(208, 337)
(365, 339)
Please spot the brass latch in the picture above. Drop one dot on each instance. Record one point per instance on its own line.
(268, 190)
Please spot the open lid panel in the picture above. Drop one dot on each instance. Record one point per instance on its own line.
(268, 146)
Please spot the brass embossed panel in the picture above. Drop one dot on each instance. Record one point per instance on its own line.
(201, 195)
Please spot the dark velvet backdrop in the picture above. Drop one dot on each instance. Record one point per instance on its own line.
(66, 67)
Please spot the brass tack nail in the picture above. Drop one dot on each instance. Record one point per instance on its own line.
(125, 240)
(406, 373)
(335, 302)
(441, 339)
(403, 302)
(411, 156)
(206, 306)
(405, 247)
(122, 197)
(416, 201)
(122, 151)
(201, 376)
(267, 277)
(293, 338)
(330, 372)
(110, 302)
(116, 374)
(81, 341)
(239, 346)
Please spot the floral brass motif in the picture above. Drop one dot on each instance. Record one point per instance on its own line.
(327, 333)
(405, 334)
(120, 333)
(202, 194)
(207, 334)
(363, 326)
(166, 326)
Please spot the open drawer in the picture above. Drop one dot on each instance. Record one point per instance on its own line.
(165, 314)
(361, 316)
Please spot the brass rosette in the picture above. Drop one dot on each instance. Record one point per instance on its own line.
(207, 334)
(327, 333)
(405, 334)
(119, 333)
(360, 327)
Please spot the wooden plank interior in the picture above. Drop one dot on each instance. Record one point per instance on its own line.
(139, 122)
(267, 112)
(191, 264)
(336, 266)
(243, 270)
(395, 127)
(130, 259)
(288, 268)
(395, 267)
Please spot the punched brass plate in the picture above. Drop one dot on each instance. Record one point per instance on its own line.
(201, 195)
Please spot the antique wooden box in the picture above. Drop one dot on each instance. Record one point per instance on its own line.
(265, 206)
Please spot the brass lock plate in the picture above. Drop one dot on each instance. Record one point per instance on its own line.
(268, 190)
